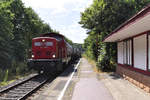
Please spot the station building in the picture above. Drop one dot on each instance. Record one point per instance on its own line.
(133, 43)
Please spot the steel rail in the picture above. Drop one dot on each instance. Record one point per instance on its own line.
(24, 89)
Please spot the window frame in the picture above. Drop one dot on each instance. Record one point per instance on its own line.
(127, 52)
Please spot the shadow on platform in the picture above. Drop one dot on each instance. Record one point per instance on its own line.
(115, 76)
(69, 69)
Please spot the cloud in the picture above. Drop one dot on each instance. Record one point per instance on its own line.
(74, 32)
(62, 15)
(58, 6)
(82, 4)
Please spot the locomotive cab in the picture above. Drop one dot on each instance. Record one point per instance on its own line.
(50, 53)
(44, 48)
(44, 54)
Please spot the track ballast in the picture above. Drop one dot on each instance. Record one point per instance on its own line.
(23, 89)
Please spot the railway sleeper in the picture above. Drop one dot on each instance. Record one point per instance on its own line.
(22, 89)
(19, 92)
(2, 98)
(14, 96)
(29, 85)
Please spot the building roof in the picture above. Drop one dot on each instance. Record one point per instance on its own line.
(137, 24)
(51, 34)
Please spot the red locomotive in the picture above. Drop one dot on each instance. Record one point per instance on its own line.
(50, 52)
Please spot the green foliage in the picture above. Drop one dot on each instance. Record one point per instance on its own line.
(6, 35)
(89, 46)
(18, 25)
(6, 76)
(100, 19)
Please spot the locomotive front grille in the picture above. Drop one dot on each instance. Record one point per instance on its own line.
(38, 53)
(48, 53)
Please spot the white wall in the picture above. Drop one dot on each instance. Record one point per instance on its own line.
(140, 52)
(120, 52)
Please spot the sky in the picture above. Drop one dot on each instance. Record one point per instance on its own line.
(62, 15)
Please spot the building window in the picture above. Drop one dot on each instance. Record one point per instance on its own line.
(127, 52)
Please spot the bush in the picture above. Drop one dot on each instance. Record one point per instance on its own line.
(105, 63)
(6, 76)
(2, 73)
(17, 69)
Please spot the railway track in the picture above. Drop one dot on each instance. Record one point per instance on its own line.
(24, 89)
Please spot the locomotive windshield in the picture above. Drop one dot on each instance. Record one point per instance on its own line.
(49, 43)
(37, 44)
(43, 44)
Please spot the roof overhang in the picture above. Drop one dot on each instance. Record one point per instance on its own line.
(137, 24)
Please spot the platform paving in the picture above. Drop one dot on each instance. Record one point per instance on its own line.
(55, 88)
(122, 89)
(88, 85)
(104, 86)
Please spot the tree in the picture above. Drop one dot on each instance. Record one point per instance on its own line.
(100, 19)
(18, 25)
(6, 29)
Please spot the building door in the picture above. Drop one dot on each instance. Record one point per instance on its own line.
(149, 51)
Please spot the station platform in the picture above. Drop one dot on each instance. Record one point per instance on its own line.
(88, 87)
(80, 82)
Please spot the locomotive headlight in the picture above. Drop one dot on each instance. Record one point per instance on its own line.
(32, 56)
(53, 55)
(43, 40)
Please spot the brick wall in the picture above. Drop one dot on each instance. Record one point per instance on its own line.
(138, 79)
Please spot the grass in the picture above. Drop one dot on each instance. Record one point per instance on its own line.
(93, 63)
(5, 83)
(10, 79)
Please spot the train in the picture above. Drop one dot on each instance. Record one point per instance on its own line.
(51, 53)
